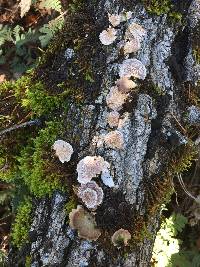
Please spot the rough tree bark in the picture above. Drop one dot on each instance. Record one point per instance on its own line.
(153, 130)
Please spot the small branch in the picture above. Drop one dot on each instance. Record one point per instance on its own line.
(22, 125)
(181, 127)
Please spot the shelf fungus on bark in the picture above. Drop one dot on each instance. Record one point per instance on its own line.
(113, 118)
(115, 99)
(115, 19)
(63, 150)
(135, 31)
(91, 194)
(125, 84)
(132, 68)
(132, 46)
(84, 223)
(121, 237)
(89, 167)
(114, 139)
(108, 36)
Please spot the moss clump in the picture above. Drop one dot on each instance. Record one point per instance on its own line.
(22, 224)
(158, 8)
(41, 102)
(71, 204)
(183, 158)
(39, 169)
(28, 261)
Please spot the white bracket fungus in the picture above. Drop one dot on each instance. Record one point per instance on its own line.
(63, 150)
(115, 99)
(108, 36)
(90, 167)
(91, 194)
(135, 31)
(125, 85)
(113, 118)
(132, 46)
(115, 19)
(114, 139)
(132, 68)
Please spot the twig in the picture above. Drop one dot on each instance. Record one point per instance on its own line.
(22, 125)
(183, 129)
(184, 188)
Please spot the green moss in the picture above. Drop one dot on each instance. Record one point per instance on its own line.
(158, 8)
(71, 204)
(40, 170)
(183, 158)
(28, 261)
(41, 102)
(75, 5)
(22, 224)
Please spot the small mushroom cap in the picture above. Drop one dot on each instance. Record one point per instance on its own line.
(108, 36)
(114, 19)
(91, 195)
(124, 84)
(113, 118)
(84, 222)
(89, 167)
(114, 139)
(63, 150)
(132, 46)
(115, 99)
(135, 31)
(132, 68)
(121, 237)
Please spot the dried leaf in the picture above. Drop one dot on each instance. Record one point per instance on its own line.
(24, 6)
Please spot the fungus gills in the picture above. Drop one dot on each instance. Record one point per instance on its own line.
(121, 237)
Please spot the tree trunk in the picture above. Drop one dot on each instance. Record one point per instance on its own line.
(154, 131)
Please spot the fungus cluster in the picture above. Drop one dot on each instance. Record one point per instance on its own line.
(89, 192)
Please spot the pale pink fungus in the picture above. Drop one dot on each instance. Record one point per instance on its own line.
(108, 36)
(135, 31)
(90, 167)
(115, 99)
(114, 19)
(124, 84)
(63, 150)
(113, 118)
(91, 194)
(132, 46)
(114, 139)
(132, 68)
